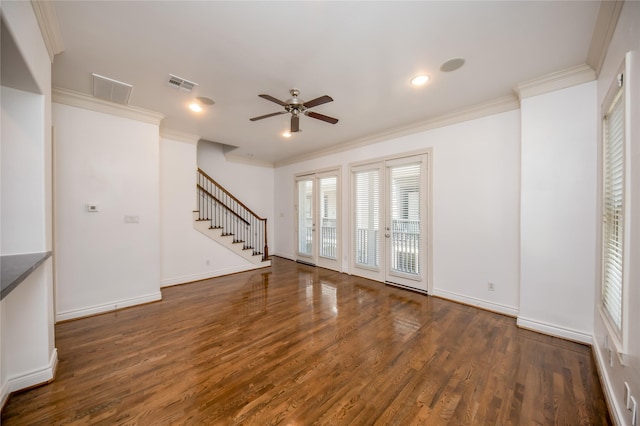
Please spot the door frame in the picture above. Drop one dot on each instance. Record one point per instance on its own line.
(315, 258)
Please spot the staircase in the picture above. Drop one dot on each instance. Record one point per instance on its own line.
(223, 218)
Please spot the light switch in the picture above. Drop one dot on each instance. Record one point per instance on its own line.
(92, 208)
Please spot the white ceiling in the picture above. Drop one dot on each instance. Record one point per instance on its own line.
(362, 54)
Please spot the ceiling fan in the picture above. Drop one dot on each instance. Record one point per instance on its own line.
(296, 106)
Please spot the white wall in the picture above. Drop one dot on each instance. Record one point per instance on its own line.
(625, 38)
(475, 211)
(27, 349)
(187, 255)
(558, 212)
(29, 357)
(103, 263)
(23, 208)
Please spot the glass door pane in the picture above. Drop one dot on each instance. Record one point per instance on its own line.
(367, 218)
(328, 200)
(405, 219)
(305, 217)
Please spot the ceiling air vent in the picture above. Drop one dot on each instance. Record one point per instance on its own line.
(111, 90)
(181, 83)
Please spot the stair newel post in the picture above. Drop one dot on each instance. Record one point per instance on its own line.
(256, 237)
(259, 236)
(265, 254)
(254, 245)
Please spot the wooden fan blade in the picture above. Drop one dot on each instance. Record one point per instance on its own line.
(295, 123)
(321, 117)
(272, 99)
(267, 116)
(318, 101)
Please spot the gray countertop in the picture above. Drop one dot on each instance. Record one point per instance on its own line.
(17, 267)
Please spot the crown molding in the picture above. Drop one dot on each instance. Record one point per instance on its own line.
(603, 32)
(495, 106)
(251, 161)
(49, 27)
(176, 135)
(555, 81)
(80, 100)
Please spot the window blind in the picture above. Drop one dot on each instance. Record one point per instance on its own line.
(367, 217)
(613, 214)
(405, 218)
(328, 215)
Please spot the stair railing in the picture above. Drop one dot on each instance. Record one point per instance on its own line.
(228, 213)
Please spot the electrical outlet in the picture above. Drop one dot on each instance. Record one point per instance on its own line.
(627, 396)
(491, 287)
(610, 358)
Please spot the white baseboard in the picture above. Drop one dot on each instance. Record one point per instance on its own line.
(107, 307)
(4, 395)
(555, 330)
(288, 256)
(206, 275)
(616, 412)
(26, 380)
(484, 304)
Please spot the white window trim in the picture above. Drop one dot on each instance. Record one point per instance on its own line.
(620, 341)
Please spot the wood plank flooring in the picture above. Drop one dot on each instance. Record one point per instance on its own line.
(296, 345)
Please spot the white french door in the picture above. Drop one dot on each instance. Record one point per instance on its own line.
(390, 221)
(318, 227)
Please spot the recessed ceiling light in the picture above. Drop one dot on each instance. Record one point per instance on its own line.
(286, 134)
(419, 80)
(195, 107)
(452, 65)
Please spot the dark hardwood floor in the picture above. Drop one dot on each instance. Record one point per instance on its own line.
(296, 345)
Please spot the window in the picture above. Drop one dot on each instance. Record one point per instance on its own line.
(620, 183)
(613, 211)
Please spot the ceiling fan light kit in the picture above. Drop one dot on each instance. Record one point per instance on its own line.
(296, 106)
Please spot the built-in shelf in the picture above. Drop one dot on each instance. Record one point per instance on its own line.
(17, 267)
